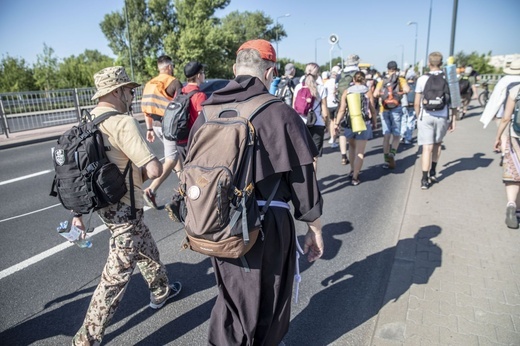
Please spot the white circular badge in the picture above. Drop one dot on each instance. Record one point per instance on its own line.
(194, 192)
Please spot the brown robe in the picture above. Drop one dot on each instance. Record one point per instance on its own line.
(253, 308)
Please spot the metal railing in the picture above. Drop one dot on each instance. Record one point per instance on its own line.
(22, 111)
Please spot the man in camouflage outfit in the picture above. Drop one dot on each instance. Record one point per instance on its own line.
(131, 242)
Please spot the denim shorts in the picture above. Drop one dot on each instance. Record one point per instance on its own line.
(391, 121)
(362, 136)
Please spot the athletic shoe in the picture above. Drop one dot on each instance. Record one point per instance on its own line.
(511, 220)
(330, 140)
(433, 177)
(149, 198)
(391, 161)
(175, 288)
(425, 184)
(334, 145)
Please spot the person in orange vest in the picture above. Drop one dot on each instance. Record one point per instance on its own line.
(157, 94)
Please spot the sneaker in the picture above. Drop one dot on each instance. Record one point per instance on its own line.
(425, 184)
(331, 140)
(149, 198)
(175, 288)
(433, 177)
(391, 161)
(334, 145)
(511, 220)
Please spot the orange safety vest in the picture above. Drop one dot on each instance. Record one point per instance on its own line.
(155, 99)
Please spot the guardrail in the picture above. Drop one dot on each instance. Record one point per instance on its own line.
(22, 111)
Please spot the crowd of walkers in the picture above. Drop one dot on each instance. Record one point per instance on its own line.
(254, 301)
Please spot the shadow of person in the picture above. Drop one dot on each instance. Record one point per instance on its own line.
(464, 164)
(64, 315)
(355, 294)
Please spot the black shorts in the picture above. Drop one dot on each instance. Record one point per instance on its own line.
(317, 133)
(332, 112)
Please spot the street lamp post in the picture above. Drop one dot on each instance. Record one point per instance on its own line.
(415, 51)
(285, 15)
(428, 35)
(316, 49)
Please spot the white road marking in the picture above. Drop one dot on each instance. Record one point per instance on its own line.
(40, 257)
(32, 212)
(25, 177)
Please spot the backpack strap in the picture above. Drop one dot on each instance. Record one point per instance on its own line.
(245, 109)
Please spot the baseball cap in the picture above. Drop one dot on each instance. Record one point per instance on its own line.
(392, 65)
(263, 47)
(289, 67)
(192, 68)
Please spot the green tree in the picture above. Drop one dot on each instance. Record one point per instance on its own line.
(15, 75)
(78, 72)
(148, 23)
(46, 69)
(479, 62)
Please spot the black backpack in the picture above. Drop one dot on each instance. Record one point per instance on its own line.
(464, 85)
(85, 179)
(436, 93)
(176, 116)
(285, 90)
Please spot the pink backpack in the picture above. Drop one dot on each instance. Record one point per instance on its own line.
(303, 100)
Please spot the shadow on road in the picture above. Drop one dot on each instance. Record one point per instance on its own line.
(347, 302)
(64, 315)
(464, 164)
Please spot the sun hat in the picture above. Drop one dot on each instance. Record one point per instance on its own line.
(111, 78)
(352, 60)
(514, 67)
(192, 68)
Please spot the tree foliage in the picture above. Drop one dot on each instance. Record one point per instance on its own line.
(78, 72)
(15, 75)
(46, 69)
(479, 62)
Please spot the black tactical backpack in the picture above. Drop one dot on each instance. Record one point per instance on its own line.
(85, 179)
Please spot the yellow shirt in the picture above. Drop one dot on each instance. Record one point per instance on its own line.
(121, 133)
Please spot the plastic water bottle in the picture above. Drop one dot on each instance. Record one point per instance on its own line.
(72, 233)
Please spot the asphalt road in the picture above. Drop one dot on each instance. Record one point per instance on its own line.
(46, 283)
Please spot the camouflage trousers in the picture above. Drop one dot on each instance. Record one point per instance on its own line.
(131, 244)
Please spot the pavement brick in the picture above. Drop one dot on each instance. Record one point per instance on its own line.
(416, 303)
(449, 337)
(516, 322)
(465, 300)
(417, 291)
(480, 329)
(461, 311)
(434, 294)
(507, 336)
(512, 299)
(455, 287)
(430, 333)
(492, 294)
(449, 322)
(503, 320)
(482, 341)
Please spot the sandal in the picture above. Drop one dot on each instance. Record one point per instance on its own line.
(355, 182)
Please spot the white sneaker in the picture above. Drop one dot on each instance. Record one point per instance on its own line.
(331, 140)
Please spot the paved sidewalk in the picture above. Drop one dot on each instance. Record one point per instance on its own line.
(456, 275)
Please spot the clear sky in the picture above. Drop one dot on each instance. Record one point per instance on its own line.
(376, 30)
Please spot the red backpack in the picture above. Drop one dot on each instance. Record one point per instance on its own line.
(303, 100)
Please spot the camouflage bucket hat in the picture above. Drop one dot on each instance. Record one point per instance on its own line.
(111, 78)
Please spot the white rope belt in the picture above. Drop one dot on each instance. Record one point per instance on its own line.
(278, 204)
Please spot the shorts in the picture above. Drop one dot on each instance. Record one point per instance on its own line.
(391, 121)
(317, 133)
(170, 147)
(360, 136)
(431, 130)
(332, 112)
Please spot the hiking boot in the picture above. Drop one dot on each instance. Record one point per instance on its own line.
(425, 184)
(391, 161)
(511, 220)
(149, 198)
(175, 288)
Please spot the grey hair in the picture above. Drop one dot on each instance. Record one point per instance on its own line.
(249, 62)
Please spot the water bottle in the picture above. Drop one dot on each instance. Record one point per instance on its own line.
(72, 233)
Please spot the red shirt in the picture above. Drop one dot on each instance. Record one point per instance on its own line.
(195, 106)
